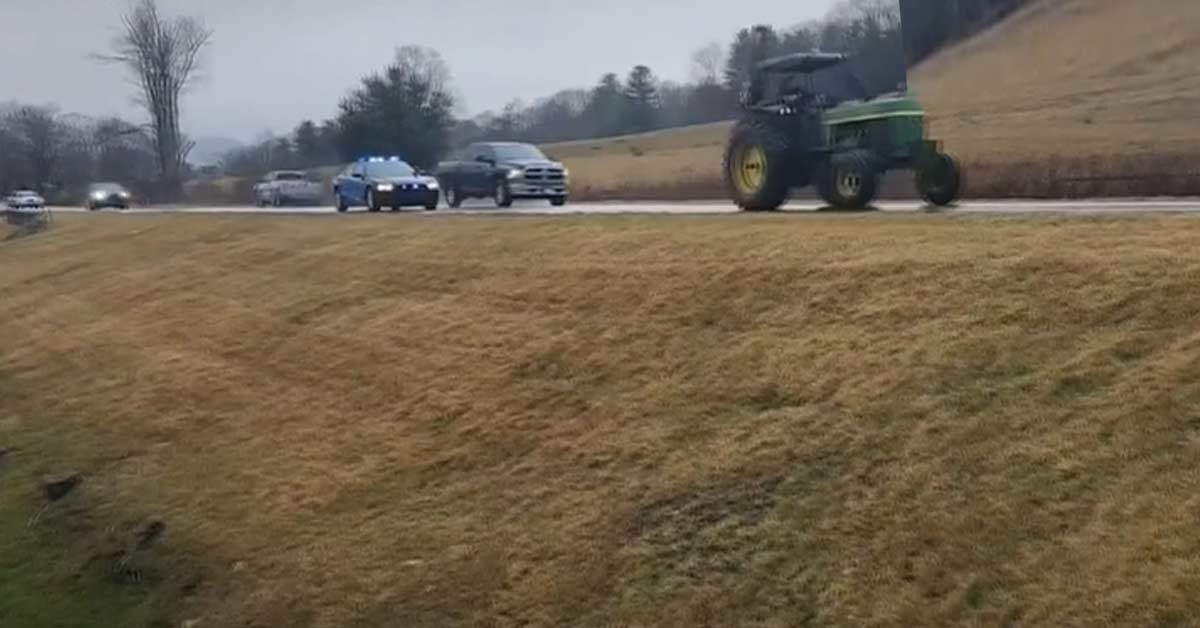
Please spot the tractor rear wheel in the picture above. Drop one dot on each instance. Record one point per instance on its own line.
(756, 166)
(940, 181)
(850, 181)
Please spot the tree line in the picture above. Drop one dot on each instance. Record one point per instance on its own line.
(642, 102)
(58, 154)
(931, 24)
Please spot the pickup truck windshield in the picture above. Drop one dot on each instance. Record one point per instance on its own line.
(518, 152)
(385, 169)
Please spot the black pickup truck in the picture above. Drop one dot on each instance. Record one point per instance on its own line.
(503, 171)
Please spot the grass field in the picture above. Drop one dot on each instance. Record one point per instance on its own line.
(1065, 90)
(625, 421)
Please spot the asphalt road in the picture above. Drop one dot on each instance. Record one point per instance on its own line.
(1087, 207)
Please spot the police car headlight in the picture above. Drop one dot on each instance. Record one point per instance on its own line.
(433, 185)
(98, 195)
(385, 187)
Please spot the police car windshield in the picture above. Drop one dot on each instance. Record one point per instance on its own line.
(389, 169)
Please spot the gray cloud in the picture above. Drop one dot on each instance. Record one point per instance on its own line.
(275, 62)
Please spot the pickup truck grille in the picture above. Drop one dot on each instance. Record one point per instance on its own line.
(547, 175)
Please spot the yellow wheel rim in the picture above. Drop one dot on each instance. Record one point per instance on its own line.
(750, 169)
(849, 183)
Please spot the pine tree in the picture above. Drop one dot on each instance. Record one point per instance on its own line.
(750, 47)
(308, 144)
(641, 92)
(605, 111)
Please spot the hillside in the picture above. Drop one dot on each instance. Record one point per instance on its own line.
(650, 421)
(1063, 88)
(1072, 77)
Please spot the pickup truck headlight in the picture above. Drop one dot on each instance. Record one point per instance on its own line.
(516, 173)
(385, 187)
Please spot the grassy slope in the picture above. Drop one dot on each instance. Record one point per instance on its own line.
(1090, 77)
(1091, 86)
(827, 421)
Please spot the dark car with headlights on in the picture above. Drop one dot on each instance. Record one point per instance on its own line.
(108, 195)
(504, 172)
(379, 182)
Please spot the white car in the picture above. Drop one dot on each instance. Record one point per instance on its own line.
(286, 188)
(25, 199)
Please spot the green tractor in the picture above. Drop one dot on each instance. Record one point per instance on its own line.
(794, 134)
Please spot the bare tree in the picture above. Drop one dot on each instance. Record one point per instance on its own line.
(121, 152)
(877, 15)
(162, 55)
(39, 138)
(707, 64)
(13, 169)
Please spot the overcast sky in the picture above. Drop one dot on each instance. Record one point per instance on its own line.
(275, 62)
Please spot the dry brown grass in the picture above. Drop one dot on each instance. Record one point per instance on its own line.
(1065, 89)
(724, 421)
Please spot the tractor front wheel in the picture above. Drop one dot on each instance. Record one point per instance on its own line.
(756, 166)
(940, 181)
(850, 181)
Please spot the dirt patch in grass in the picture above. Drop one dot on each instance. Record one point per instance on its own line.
(706, 533)
(82, 556)
(646, 421)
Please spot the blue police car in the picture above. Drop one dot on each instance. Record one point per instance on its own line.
(378, 182)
